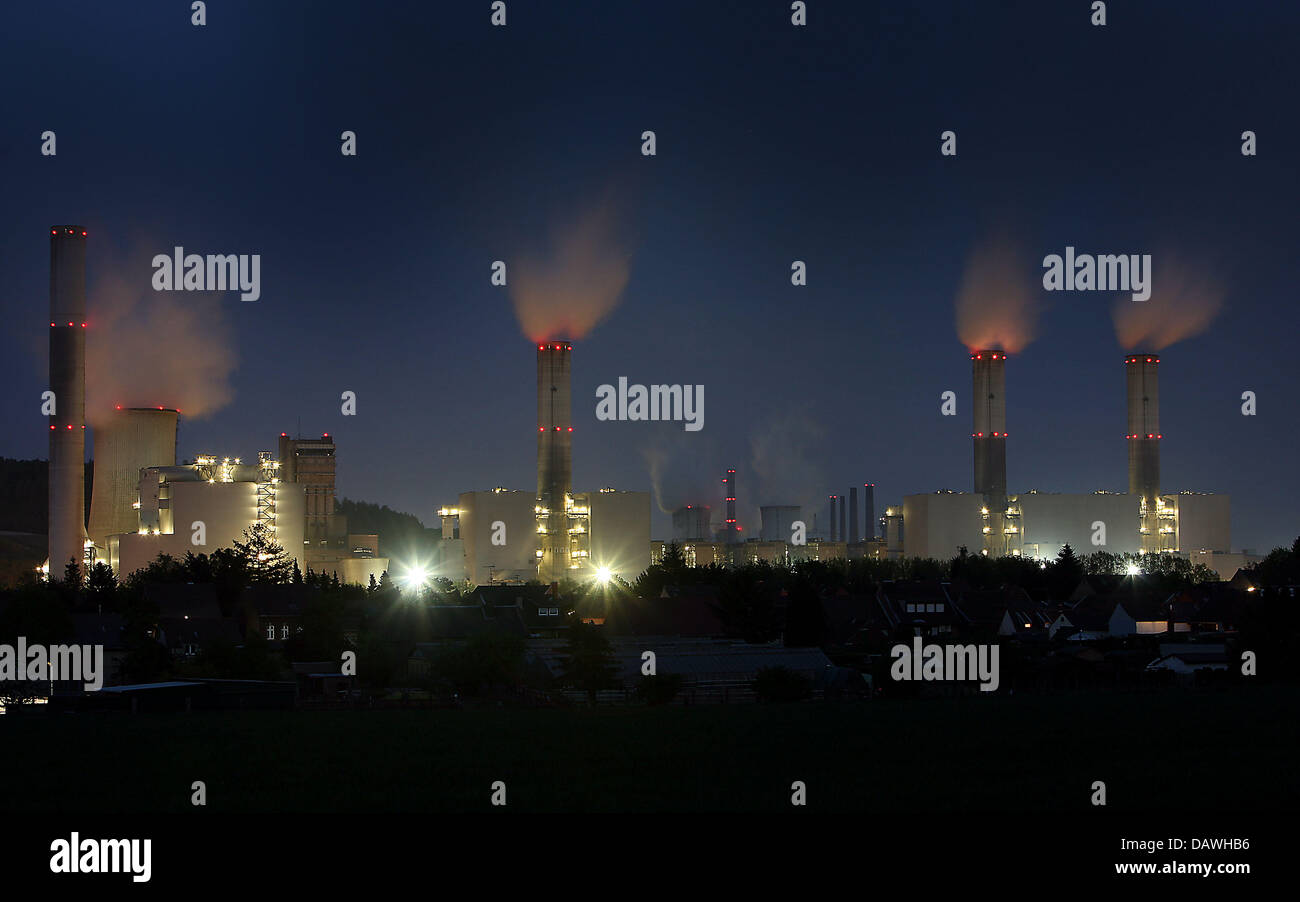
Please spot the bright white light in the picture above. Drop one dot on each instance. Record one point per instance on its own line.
(603, 575)
(416, 577)
(1133, 570)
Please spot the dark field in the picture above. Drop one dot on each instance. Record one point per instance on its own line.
(1165, 751)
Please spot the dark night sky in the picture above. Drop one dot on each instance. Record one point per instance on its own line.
(775, 143)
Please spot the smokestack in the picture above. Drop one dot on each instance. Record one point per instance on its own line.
(1144, 441)
(554, 459)
(988, 378)
(67, 529)
(843, 509)
(131, 440)
(834, 521)
(871, 510)
(731, 529)
(988, 392)
(854, 536)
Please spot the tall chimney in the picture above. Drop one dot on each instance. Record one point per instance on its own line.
(731, 529)
(67, 529)
(1144, 442)
(554, 459)
(854, 536)
(834, 521)
(844, 533)
(988, 393)
(870, 525)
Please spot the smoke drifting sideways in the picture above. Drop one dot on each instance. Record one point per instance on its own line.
(998, 302)
(147, 348)
(1185, 299)
(565, 294)
(784, 457)
(678, 475)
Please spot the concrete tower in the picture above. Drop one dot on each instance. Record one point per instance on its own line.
(988, 398)
(67, 529)
(128, 441)
(1144, 442)
(554, 459)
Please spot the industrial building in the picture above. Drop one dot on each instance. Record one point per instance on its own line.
(130, 440)
(213, 500)
(1039, 524)
(328, 547)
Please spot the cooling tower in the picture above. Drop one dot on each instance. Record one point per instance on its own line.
(67, 524)
(1144, 441)
(126, 443)
(691, 523)
(554, 459)
(778, 522)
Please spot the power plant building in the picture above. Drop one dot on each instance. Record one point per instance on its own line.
(127, 442)
(207, 505)
(1038, 524)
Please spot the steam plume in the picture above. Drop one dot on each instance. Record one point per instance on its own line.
(147, 348)
(997, 305)
(567, 293)
(1184, 300)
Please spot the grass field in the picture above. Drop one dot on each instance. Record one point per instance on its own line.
(1166, 751)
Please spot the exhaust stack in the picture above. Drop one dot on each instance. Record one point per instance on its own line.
(67, 476)
(1144, 443)
(554, 459)
(988, 394)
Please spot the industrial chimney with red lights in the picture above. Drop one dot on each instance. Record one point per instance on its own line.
(554, 459)
(67, 478)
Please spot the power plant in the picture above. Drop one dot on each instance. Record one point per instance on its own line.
(144, 504)
(1037, 524)
(67, 520)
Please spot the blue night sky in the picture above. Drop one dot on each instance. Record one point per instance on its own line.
(775, 144)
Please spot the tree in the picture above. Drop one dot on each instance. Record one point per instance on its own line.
(588, 663)
(265, 558)
(100, 585)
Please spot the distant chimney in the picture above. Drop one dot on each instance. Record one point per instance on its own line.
(853, 515)
(1144, 442)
